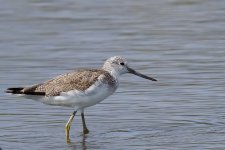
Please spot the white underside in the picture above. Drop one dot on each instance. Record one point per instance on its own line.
(78, 99)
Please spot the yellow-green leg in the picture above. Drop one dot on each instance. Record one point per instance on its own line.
(68, 124)
(85, 129)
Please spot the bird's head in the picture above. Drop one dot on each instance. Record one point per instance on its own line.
(118, 65)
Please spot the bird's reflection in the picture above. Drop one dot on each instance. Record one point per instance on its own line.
(73, 145)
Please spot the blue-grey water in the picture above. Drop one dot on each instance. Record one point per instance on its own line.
(181, 43)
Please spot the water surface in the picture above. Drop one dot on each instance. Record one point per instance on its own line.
(179, 42)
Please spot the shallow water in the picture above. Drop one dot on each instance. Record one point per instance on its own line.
(179, 42)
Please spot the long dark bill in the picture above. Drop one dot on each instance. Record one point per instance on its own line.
(139, 74)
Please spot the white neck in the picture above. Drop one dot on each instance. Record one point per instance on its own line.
(112, 71)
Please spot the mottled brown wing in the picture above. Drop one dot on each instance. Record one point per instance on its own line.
(79, 80)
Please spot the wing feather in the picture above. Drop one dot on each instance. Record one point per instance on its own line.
(79, 80)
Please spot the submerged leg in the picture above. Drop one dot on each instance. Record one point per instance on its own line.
(68, 124)
(85, 129)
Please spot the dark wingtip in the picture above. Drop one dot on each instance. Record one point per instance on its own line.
(14, 90)
(19, 90)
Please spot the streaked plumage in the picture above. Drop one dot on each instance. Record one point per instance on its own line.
(80, 80)
(80, 88)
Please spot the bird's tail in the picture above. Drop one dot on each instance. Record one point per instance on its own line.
(15, 90)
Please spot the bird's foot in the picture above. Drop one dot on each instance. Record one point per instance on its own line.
(86, 131)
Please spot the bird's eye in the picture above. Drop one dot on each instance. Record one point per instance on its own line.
(122, 63)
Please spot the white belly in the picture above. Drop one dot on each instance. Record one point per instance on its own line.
(78, 99)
